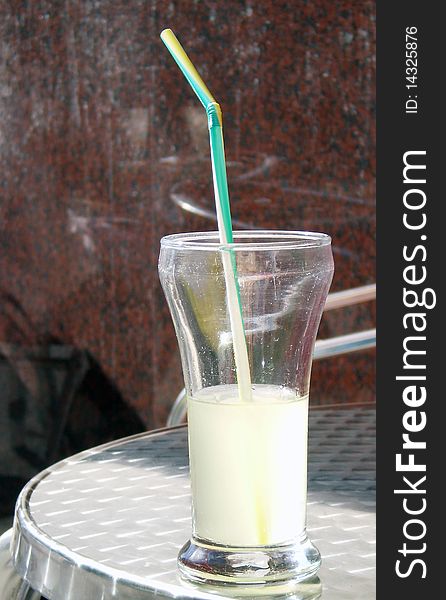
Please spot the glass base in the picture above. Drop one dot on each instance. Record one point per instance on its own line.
(208, 563)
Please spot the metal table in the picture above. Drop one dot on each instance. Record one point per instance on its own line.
(108, 523)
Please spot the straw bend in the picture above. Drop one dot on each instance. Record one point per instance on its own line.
(215, 117)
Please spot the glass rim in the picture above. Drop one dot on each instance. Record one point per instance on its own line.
(261, 239)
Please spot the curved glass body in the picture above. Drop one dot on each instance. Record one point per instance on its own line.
(248, 455)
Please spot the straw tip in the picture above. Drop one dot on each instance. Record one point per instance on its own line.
(166, 32)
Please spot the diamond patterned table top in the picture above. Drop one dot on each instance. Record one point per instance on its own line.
(109, 522)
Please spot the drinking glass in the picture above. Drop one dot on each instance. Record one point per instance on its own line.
(248, 456)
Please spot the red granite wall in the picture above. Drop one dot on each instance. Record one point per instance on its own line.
(104, 149)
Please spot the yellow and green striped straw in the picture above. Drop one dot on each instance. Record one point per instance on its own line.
(215, 124)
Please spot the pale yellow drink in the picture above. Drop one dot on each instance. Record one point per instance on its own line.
(248, 463)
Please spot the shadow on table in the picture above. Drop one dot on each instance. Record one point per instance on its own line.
(311, 589)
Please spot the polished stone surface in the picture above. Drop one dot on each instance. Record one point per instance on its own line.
(103, 149)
